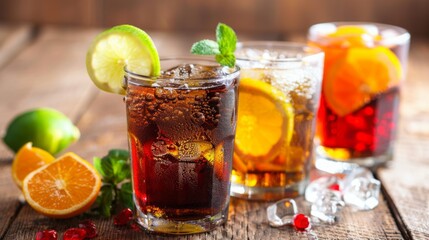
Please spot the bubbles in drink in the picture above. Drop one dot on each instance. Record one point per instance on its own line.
(183, 128)
(283, 86)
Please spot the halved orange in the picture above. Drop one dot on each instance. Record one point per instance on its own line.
(28, 159)
(64, 188)
(265, 121)
(353, 80)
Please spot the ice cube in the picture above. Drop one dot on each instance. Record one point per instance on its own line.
(319, 185)
(355, 173)
(193, 150)
(327, 206)
(195, 71)
(161, 148)
(282, 212)
(362, 193)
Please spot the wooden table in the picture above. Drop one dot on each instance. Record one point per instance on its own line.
(46, 68)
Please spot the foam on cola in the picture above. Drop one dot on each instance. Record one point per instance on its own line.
(181, 130)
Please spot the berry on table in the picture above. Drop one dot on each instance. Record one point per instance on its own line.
(301, 222)
(123, 217)
(89, 226)
(47, 235)
(74, 234)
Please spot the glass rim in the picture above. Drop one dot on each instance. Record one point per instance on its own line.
(402, 35)
(186, 59)
(303, 51)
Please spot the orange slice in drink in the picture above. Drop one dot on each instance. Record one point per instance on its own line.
(64, 188)
(265, 121)
(353, 80)
(28, 159)
(353, 36)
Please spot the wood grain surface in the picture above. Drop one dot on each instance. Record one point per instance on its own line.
(13, 38)
(406, 180)
(51, 72)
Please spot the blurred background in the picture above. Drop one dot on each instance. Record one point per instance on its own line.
(275, 18)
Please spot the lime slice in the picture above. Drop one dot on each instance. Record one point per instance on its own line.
(115, 48)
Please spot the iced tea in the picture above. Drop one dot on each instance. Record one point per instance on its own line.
(278, 99)
(364, 68)
(181, 129)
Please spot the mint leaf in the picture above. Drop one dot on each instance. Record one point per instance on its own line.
(121, 170)
(223, 49)
(106, 199)
(97, 164)
(116, 177)
(106, 168)
(119, 154)
(126, 195)
(226, 39)
(226, 59)
(205, 47)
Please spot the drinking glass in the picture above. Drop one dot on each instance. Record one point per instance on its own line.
(365, 65)
(278, 99)
(181, 128)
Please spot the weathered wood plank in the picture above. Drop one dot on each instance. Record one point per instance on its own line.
(49, 73)
(247, 220)
(13, 38)
(9, 203)
(103, 126)
(406, 178)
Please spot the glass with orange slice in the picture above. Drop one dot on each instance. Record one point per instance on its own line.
(278, 98)
(365, 64)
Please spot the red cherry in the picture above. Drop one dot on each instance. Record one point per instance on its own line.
(335, 187)
(47, 235)
(301, 222)
(123, 217)
(135, 227)
(89, 226)
(74, 234)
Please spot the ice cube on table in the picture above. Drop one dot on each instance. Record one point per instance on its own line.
(317, 186)
(362, 193)
(282, 212)
(355, 173)
(327, 206)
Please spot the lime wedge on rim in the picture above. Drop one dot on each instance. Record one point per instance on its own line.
(115, 48)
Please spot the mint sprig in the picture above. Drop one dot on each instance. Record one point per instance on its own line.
(223, 48)
(116, 192)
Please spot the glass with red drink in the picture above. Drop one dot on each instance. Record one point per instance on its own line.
(365, 65)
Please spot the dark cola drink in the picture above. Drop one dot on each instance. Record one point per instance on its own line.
(181, 129)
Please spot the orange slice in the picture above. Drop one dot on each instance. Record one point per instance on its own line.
(28, 159)
(352, 81)
(352, 36)
(265, 121)
(64, 188)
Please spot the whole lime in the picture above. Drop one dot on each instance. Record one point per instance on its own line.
(46, 128)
